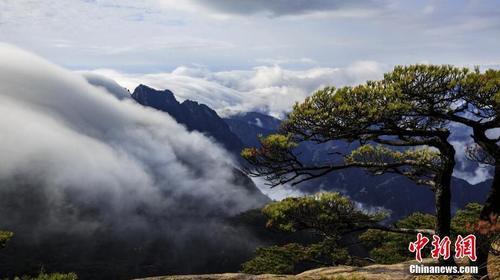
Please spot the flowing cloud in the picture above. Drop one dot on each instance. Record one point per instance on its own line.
(269, 88)
(279, 193)
(107, 84)
(273, 89)
(78, 161)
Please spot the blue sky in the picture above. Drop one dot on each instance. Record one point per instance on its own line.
(160, 35)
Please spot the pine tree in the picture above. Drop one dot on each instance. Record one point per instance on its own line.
(401, 124)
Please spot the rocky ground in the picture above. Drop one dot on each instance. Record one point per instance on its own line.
(372, 272)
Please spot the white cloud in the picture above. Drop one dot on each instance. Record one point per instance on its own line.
(107, 84)
(284, 60)
(477, 176)
(77, 146)
(274, 89)
(270, 88)
(466, 169)
(278, 193)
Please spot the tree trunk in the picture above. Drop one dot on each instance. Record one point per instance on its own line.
(482, 251)
(490, 209)
(443, 210)
(492, 203)
(442, 195)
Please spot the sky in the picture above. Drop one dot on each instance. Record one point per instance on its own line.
(261, 55)
(161, 35)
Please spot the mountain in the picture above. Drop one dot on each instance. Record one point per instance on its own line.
(393, 192)
(248, 126)
(193, 115)
(201, 118)
(256, 119)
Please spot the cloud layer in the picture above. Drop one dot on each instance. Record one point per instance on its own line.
(282, 7)
(274, 89)
(77, 160)
(159, 35)
(269, 88)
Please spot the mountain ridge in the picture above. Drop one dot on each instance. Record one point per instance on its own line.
(193, 115)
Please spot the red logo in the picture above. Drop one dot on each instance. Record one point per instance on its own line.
(417, 246)
(464, 247)
(440, 247)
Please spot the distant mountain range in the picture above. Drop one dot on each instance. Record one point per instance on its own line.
(393, 192)
(249, 126)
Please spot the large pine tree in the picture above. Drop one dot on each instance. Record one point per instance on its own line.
(401, 124)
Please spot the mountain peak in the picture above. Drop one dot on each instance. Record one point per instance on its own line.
(194, 115)
(142, 88)
(158, 99)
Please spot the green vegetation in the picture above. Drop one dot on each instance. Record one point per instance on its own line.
(51, 276)
(330, 216)
(294, 258)
(455, 95)
(327, 214)
(401, 124)
(389, 247)
(4, 237)
(276, 259)
(465, 219)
